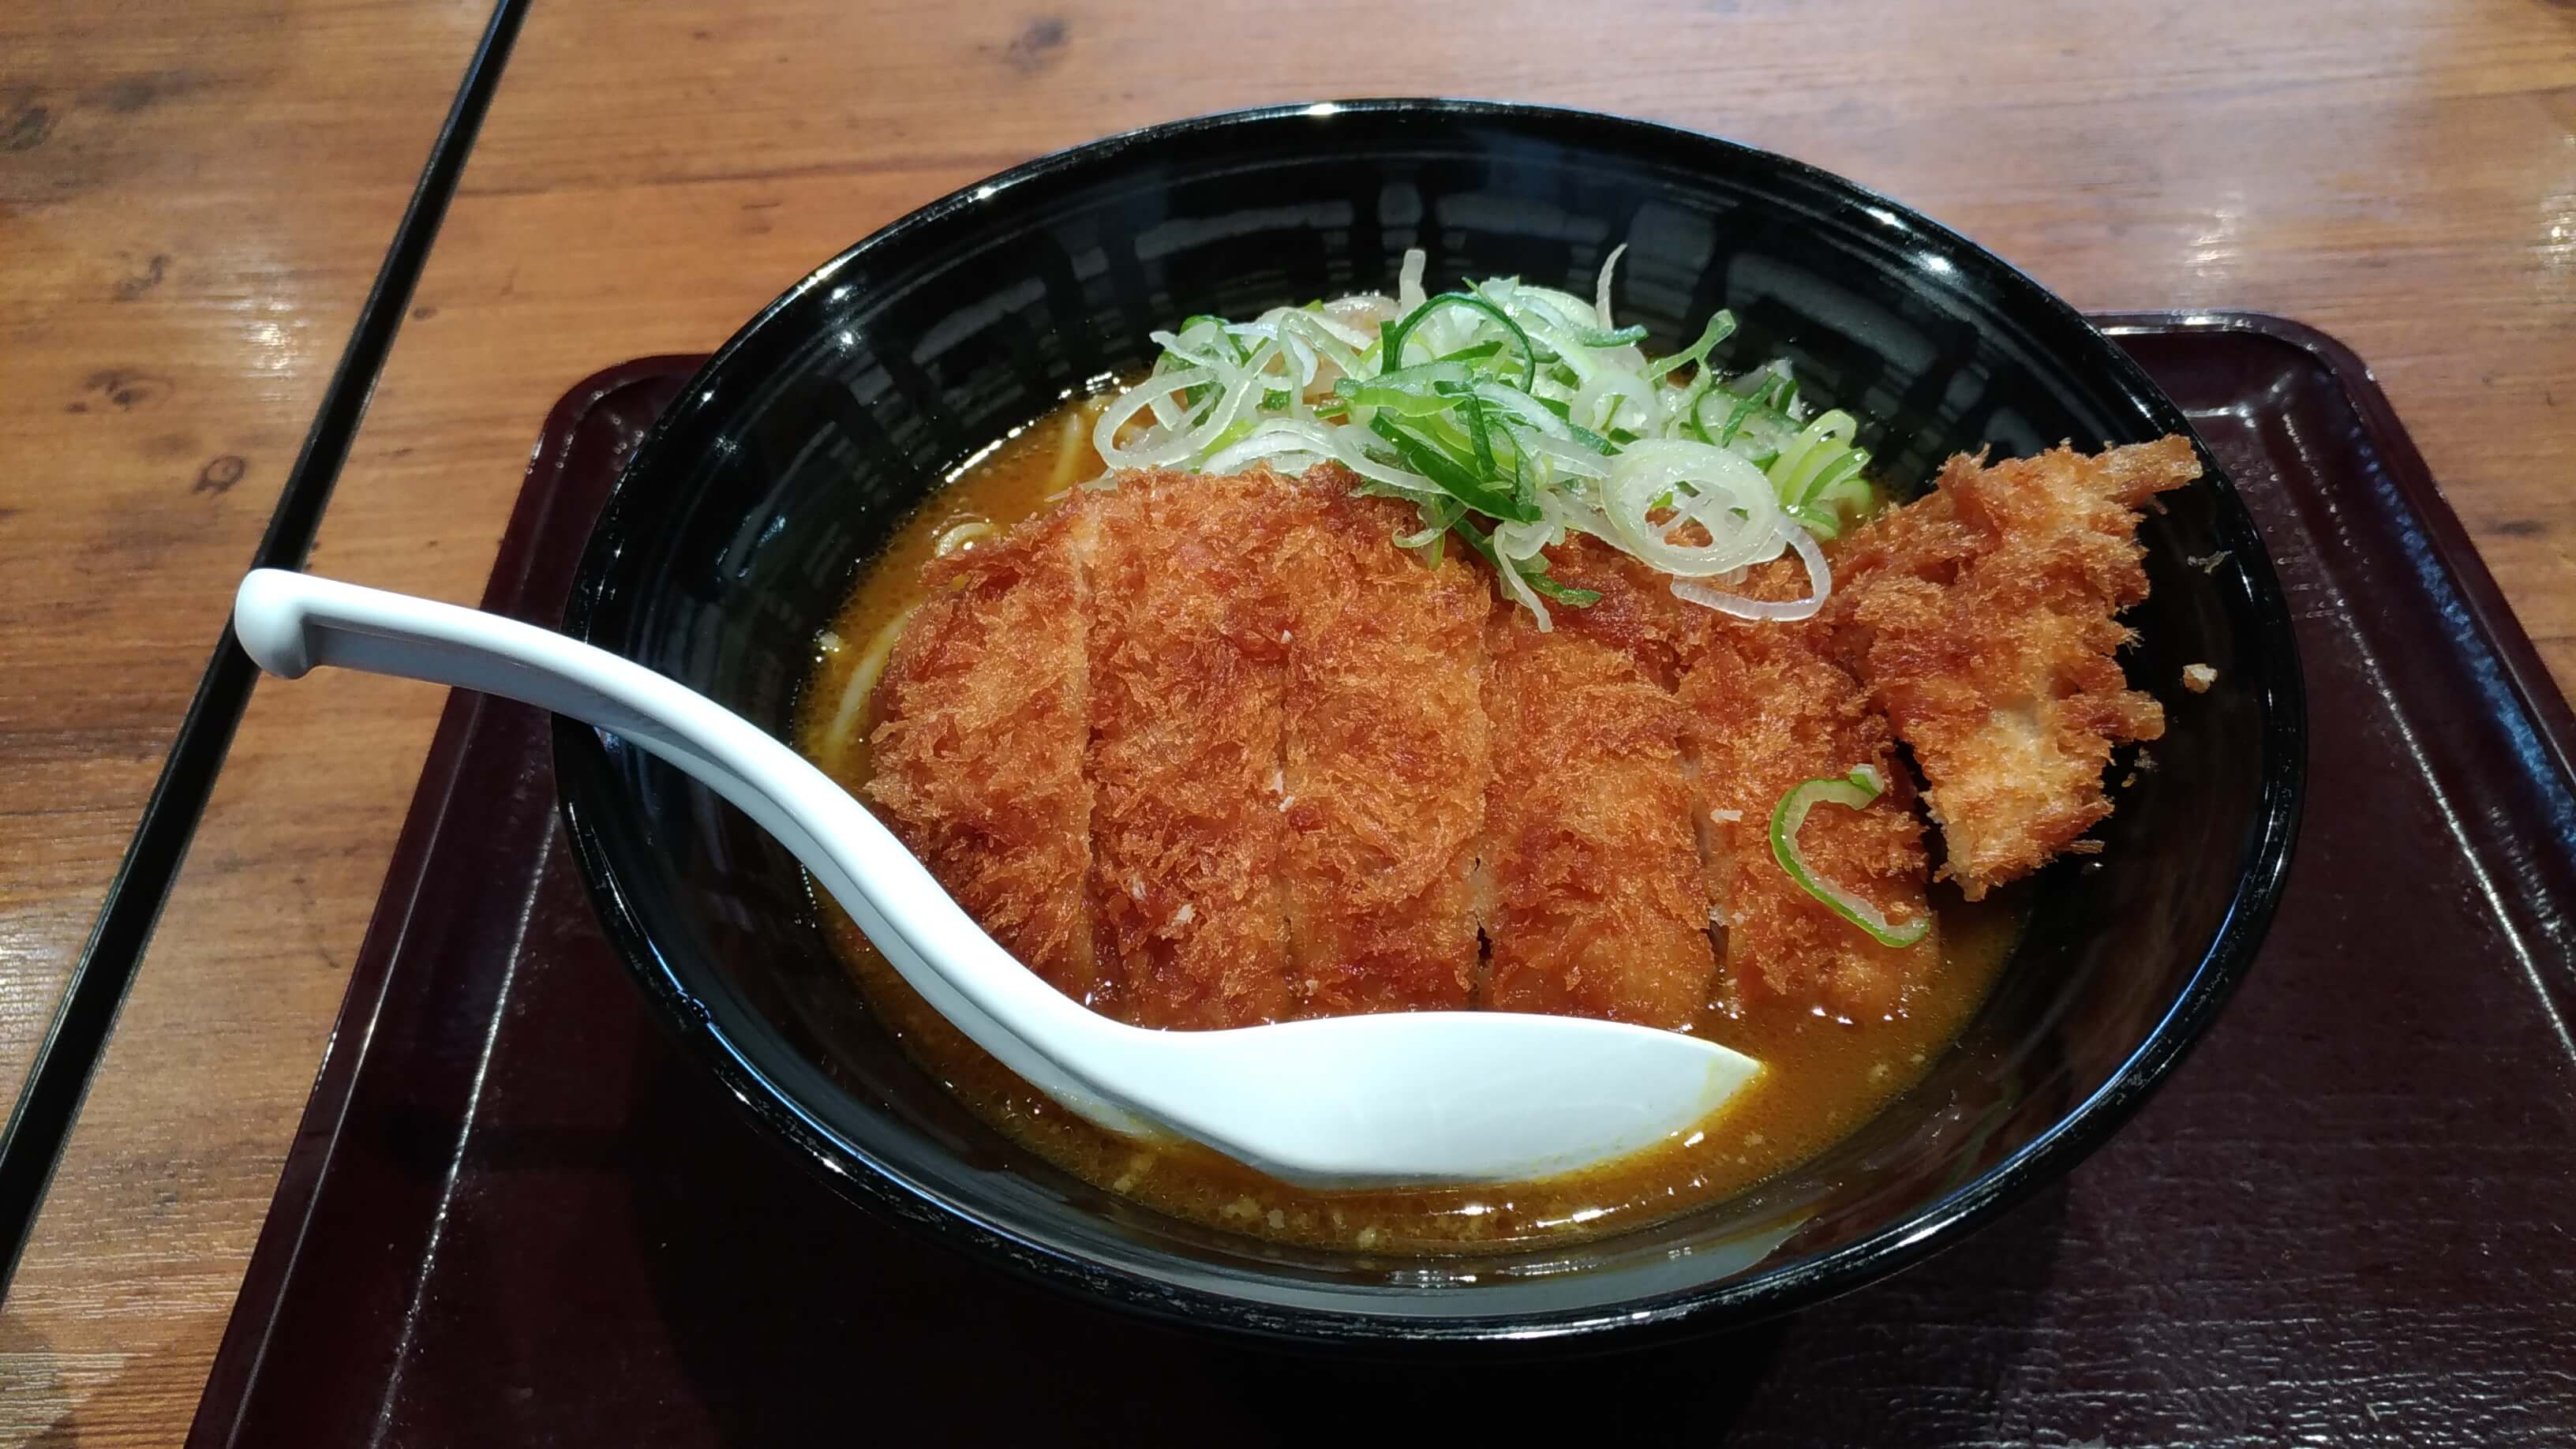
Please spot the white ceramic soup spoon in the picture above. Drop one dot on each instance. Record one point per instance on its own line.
(1345, 1102)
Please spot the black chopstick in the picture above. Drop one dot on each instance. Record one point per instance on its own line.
(50, 1100)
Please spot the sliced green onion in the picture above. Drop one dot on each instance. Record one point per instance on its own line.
(1235, 432)
(1444, 431)
(1392, 339)
(1592, 440)
(1719, 328)
(1414, 392)
(1614, 337)
(1420, 378)
(1482, 435)
(1537, 579)
(1837, 490)
(1854, 791)
(1205, 324)
(1437, 516)
(1816, 444)
(1686, 407)
(1430, 553)
(1170, 362)
(1532, 571)
(1694, 425)
(1735, 419)
(1822, 522)
(1849, 492)
(1427, 458)
(1542, 418)
(1480, 541)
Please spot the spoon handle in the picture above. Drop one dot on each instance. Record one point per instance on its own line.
(290, 622)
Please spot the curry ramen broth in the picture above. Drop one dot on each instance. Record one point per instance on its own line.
(1824, 1077)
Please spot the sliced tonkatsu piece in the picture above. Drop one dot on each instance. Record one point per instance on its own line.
(1636, 613)
(1382, 787)
(979, 766)
(1768, 711)
(1188, 666)
(1981, 617)
(1589, 882)
(1764, 709)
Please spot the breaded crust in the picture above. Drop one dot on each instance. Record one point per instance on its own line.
(1981, 617)
(1208, 752)
(1188, 665)
(1767, 710)
(1636, 614)
(1383, 785)
(1589, 882)
(1764, 708)
(979, 765)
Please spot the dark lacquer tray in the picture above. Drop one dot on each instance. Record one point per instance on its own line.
(514, 1215)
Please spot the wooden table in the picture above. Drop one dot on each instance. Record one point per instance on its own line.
(190, 211)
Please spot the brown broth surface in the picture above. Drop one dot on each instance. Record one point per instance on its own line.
(1824, 1077)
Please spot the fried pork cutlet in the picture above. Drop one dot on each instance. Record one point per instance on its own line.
(1383, 782)
(1590, 879)
(1765, 709)
(1981, 618)
(1188, 649)
(1207, 752)
(1768, 710)
(979, 766)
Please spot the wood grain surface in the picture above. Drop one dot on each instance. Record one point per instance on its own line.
(189, 214)
(192, 204)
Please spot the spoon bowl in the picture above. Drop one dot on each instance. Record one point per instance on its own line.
(1403, 1099)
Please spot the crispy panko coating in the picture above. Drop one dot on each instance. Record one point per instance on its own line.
(1769, 710)
(979, 765)
(1636, 614)
(1590, 876)
(1383, 784)
(1764, 709)
(1189, 661)
(1981, 617)
(1207, 752)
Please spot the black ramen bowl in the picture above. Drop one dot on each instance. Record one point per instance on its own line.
(736, 528)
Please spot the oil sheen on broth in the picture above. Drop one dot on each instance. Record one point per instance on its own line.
(1824, 1079)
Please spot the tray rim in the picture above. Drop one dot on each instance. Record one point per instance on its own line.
(269, 1273)
(2534, 688)
(275, 1253)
